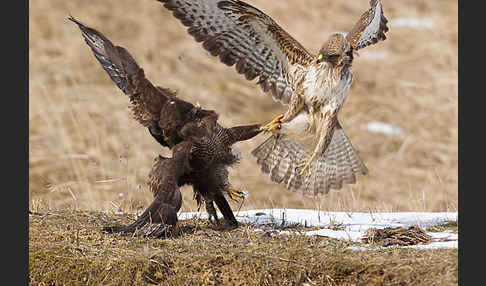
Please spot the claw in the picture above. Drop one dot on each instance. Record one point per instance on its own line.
(305, 166)
(236, 195)
(273, 125)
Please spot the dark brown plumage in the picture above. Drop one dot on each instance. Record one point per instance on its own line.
(201, 148)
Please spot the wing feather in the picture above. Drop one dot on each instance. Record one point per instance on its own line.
(241, 35)
(370, 28)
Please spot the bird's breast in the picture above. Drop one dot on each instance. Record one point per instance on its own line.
(299, 128)
(323, 84)
(215, 149)
(324, 91)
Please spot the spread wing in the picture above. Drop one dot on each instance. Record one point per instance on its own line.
(370, 28)
(115, 60)
(146, 100)
(243, 36)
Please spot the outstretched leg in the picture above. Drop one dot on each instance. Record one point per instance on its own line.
(295, 106)
(273, 125)
(324, 139)
(244, 132)
(225, 209)
(211, 212)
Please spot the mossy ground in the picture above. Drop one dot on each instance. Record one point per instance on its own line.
(68, 248)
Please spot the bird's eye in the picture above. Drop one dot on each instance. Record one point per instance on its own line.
(319, 58)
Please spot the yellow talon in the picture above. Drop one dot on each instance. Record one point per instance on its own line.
(273, 125)
(305, 166)
(236, 195)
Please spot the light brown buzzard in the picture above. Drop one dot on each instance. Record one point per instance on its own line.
(308, 135)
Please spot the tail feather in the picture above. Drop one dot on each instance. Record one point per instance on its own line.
(323, 183)
(293, 180)
(344, 145)
(275, 164)
(332, 169)
(279, 157)
(338, 150)
(262, 152)
(278, 168)
(285, 169)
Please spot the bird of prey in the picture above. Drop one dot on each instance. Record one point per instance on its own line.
(308, 151)
(201, 147)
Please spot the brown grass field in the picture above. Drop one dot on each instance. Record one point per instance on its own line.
(85, 149)
(67, 248)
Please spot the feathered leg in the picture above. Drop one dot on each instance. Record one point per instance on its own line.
(325, 136)
(295, 106)
(225, 209)
(242, 133)
(211, 212)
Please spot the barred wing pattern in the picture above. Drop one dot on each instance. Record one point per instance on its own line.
(115, 60)
(340, 164)
(244, 36)
(146, 100)
(370, 28)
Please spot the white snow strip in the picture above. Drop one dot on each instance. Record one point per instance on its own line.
(373, 55)
(412, 22)
(381, 127)
(353, 224)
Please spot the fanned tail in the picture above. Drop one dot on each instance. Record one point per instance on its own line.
(279, 157)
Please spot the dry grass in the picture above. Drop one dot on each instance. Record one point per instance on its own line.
(84, 149)
(67, 248)
(396, 236)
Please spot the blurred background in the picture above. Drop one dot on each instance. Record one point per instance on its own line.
(86, 152)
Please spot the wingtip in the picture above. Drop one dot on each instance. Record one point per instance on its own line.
(373, 3)
(74, 20)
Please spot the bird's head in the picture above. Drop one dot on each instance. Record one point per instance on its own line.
(336, 51)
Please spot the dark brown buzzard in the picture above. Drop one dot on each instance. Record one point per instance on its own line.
(201, 147)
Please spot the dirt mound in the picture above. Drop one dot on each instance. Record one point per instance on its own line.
(396, 236)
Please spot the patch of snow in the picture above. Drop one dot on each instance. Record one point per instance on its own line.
(381, 127)
(352, 225)
(372, 55)
(413, 22)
